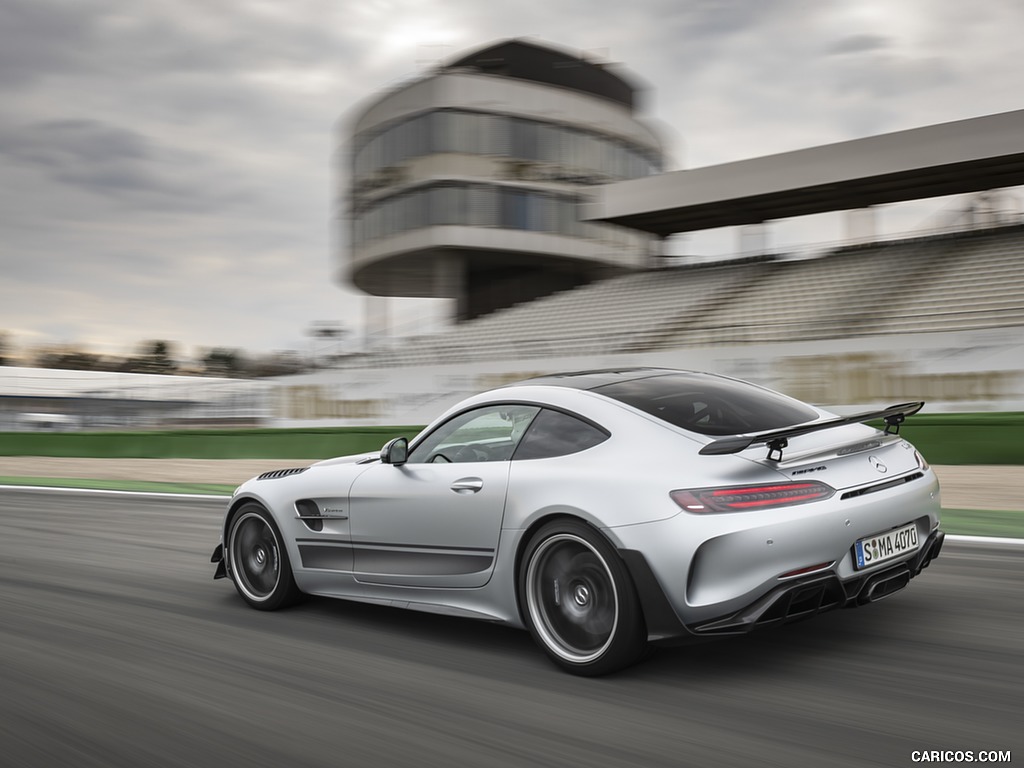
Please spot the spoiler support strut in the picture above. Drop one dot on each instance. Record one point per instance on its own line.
(893, 422)
(775, 448)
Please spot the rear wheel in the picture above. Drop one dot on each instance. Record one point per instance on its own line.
(579, 600)
(258, 562)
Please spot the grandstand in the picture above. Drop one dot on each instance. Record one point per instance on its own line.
(973, 282)
(955, 282)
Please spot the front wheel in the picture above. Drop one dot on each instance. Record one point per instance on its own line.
(579, 600)
(258, 562)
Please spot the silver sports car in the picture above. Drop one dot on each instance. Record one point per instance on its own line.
(603, 511)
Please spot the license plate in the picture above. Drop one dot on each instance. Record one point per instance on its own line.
(885, 546)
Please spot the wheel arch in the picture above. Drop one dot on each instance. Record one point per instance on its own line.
(229, 517)
(528, 535)
(285, 591)
(661, 622)
(236, 504)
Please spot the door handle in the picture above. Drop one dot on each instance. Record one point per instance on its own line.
(468, 485)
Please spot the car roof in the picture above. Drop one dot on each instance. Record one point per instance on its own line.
(597, 378)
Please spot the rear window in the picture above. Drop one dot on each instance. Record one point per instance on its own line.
(553, 433)
(709, 405)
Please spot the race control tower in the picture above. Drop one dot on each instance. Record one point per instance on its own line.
(466, 183)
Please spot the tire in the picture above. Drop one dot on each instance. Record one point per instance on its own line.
(579, 600)
(258, 561)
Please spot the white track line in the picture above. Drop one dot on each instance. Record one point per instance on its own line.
(155, 494)
(983, 540)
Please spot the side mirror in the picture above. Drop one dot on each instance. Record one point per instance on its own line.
(395, 452)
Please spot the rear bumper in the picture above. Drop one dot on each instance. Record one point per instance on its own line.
(789, 602)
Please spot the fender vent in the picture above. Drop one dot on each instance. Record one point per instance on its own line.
(276, 473)
(308, 511)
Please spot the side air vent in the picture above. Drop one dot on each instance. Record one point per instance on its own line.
(276, 473)
(308, 513)
(881, 486)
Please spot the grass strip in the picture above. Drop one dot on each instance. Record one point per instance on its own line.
(957, 438)
(983, 522)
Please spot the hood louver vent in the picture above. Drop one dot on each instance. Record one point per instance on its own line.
(274, 474)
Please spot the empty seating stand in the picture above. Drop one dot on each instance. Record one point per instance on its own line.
(952, 282)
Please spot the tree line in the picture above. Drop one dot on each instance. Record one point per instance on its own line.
(161, 357)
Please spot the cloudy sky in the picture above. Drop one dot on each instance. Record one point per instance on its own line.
(168, 166)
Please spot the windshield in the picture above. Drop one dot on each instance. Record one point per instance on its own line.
(709, 405)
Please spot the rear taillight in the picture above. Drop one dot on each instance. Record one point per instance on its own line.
(921, 463)
(746, 498)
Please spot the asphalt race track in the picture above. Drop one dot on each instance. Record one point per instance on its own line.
(118, 649)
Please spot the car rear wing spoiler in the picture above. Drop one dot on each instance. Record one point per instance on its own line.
(777, 439)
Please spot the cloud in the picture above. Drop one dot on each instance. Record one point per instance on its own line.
(42, 39)
(859, 44)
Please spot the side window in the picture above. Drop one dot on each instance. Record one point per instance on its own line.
(490, 433)
(554, 433)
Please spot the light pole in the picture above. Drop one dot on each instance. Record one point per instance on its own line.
(328, 331)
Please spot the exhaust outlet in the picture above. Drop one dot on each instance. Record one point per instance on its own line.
(884, 584)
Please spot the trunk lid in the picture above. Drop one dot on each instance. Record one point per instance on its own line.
(843, 458)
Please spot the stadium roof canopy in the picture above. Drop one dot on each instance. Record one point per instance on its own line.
(945, 159)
